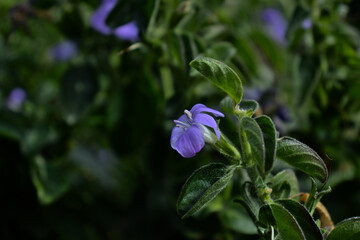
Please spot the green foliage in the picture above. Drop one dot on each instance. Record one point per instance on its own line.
(203, 186)
(248, 106)
(83, 155)
(252, 143)
(302, 157)
(348, 229)
(50, 180)
(269, 135)
(291, 218)
(284, 184)
(271, 209)
(220, 75)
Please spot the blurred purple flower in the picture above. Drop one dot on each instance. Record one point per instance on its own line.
(189, 135)
(63, 51)
(283, 113)
(306, 24)
(15, 99)
(98, 19)
(128, 32)
(275, 24)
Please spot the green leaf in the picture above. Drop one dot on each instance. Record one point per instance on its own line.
(281, 190)
(301, 157)
(252, 142)
(203, 186)
(315, 196)
(287, 176)
(302, 217)
(220, 75)
(348, 229)
(235, 217)
(50, 179)
(251, 203)
(227, 105)
(269, 133)
(266, 218)
(286, 223)
(248, 106)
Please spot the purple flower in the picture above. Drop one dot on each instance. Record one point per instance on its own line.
(15, 99)
(189, 135)
(275, 24)
(306, 24)
(128, 32)
(283, 113)
(98, 19)
(63, 51)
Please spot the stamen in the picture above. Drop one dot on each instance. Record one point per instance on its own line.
(181, 124)
(188, 114)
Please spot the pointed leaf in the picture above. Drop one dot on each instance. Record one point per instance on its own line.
(348, 229)
(301, 157)
(220, 75)
(269, 133)
(287, 176)
(203, 186)
(251, 134)
(266, 218)
(303, 218)
(286, 223)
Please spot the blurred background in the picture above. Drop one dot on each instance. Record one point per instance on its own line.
(89, 89)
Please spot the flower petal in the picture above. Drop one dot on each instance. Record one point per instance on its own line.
(98, 19)
(187, 142)
(196, 107)
(207, 120)
(203, 108)
(175, 134)
(128, 32)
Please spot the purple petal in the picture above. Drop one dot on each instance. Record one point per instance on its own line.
(207, 120)
(128, 32)
(306, 24)
(175, 134)
(187, 142)
(98, 19)
(16, 99)
(275, 24)
(63, 51)
(198, 108)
